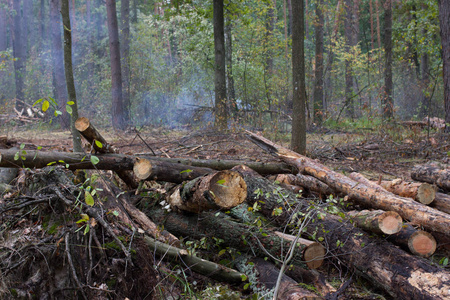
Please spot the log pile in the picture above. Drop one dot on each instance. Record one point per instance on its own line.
(385, 238)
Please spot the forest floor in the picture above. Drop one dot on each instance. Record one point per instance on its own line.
(389, 153)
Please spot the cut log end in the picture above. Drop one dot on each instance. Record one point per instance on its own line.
(142, 168)
(81, 124)
(426, 193)
(390, 222)
(314, 255)
(422, 243)
(228, 189)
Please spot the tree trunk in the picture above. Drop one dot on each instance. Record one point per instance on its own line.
(349, 46)
(218, 190)
(58, 63)
(26, 10)
(444, 21)
(318, 75)
(418, 242)
(145, 169)
(298, 139)
(125, 52)
(387, 99)
(68, 71)
(360, 193)
(220, 88)
(433, 175)
(377, 221)
(309, 183)
(441, 202)
(421, 192)
(3, 28)
(117, 106)
(19, 54)
(229, 66)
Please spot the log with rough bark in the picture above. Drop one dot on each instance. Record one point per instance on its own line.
(261, 272)
(441, 202)
(145, 169)
(418, 242)
(196, 264)
(218, 190)
(362, 194)
(432, 174)
(251, 239)
(422, 192)
(306, 182)
(377, 221)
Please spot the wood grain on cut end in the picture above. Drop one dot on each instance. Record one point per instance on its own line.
(228, 189)
(426, 193)
(142, 168)
(314, 255)
(81, 124)
(422, 243)
(390, 222)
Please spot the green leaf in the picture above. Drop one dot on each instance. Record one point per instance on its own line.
(57, 113)
(16, 156)
(94, 160)
(186, 171)
(222, 181)
(246, 286)
(69, 109)
(86, 230)
(244, 277)
(88, 198)
(98, 144)
(38, 101)
(222, 252)
(116, 213)
(70, 103)
(22, 146)
(51, 163)
(45, 105)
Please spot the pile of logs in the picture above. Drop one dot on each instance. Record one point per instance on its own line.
(226, 198)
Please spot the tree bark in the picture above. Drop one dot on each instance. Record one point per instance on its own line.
(68, 71)
(311, 184)
(298, 139)
(421, 192)
(387, 100)
(377, 221)
(360, 193)
(444, 21)
(231, 94)
(441, 202)
(26, 8)
(220, 88)
(145, 169)
(58, 63)
(418, 242)
(19, 54)
(125, 52)
(433, 175)
(219, 190)
(350, 42)
(117, 106)
(318, 74)
(3, 27)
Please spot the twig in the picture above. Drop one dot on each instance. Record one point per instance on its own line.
(72, 267)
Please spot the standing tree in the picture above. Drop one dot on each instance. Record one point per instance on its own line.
(125, 52)
(298, 140)
(3, 26)
(229, 66)
(318, 74)
(72, 106)
(220, 109)
(350, 42)
(444, 21)
(117, 109)
(19, 54)
(387, 100)
(58, 62)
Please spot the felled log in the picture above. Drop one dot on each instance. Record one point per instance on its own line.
(362, 194)
(196, 264)
(377, 221)
(264, 273)
(422, 192)
(145, 169)
(256, 241)
(309, 183)
(311, 277)
(418, 242)
(441, 202)
(432, 174)
(219, 190)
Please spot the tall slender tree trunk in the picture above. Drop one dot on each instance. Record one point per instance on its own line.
(68, 70)
(377, 8)
(229, 67)
(134, 18)
(424, 70)
(318, 74)
(349, 43)
(26, 9)
(388, 101)
(285, 29)
(220, 111)
(268, 51)
(125, 51)
(444, 21)
(3, 26)
(60, 86)
(117, 109)
(290, 17)
(371, 23)
(19, 54)
(42, 31)
(298, 139)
